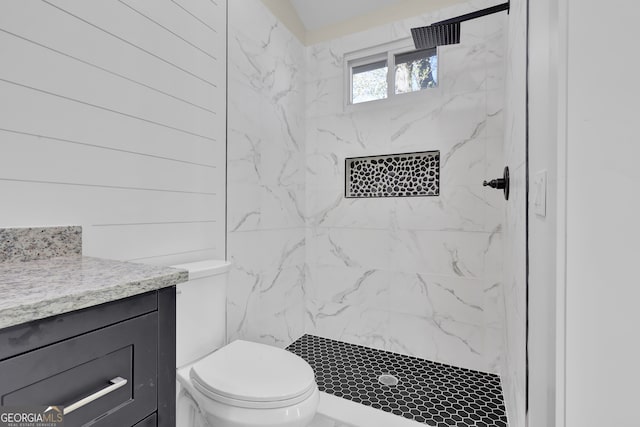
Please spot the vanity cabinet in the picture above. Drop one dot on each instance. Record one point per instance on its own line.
(108, 365)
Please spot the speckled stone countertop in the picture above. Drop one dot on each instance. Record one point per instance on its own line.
(33, 243)
(31, 290)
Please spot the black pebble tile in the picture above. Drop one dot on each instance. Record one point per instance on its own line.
(410, 175)
(427, 392)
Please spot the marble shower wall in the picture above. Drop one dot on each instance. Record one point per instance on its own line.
(513, 366)
(419, 276)
(265, 224)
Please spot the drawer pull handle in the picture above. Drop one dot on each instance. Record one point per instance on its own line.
(114, 384)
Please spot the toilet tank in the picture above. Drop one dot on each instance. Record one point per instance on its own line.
(201, 308)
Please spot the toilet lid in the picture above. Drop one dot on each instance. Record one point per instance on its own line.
(247, 371)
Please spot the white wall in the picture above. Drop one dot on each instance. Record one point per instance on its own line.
(419, 276)
(603, 206)
(112, 117)
(513, 370)
(544, 118)
(266, 177)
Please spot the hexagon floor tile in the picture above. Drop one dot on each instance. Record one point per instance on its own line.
(432, 393)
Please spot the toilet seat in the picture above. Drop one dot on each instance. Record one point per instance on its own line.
(251, 404)
(251, 375)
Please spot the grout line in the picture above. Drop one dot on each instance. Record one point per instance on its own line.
(107, 148)
(226, 155)
(527, 332)
(130, 43)
(299, 227)
(226, 141)
(131, 116)
(107, 71)
(387, 229)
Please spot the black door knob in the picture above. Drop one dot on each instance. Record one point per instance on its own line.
(500, 183)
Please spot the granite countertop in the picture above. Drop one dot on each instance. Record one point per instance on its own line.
(31, 290)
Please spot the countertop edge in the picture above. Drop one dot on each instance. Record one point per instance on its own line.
(54, 306)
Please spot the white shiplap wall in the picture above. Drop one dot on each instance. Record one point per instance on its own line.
(113, 117)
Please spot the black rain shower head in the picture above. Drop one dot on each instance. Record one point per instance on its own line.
(448, 31)
(436, 35)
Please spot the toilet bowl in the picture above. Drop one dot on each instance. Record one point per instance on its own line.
(246, 384)
(241, 384)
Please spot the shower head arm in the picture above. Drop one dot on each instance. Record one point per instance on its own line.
(474, 15)
(448, 31)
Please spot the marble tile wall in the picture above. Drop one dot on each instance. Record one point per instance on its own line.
(419, 276)
(513, 366)
(265, 225)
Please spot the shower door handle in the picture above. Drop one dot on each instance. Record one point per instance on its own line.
(500, 183)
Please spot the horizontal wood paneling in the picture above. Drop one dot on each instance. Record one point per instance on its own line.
(50, 26)
(165, 14)
(113, 18)
(113, 117)
(206, 12)
(120, 241)
(179, 258)
(30, 159)
(35, 202)
(76, 80)
(29, 110)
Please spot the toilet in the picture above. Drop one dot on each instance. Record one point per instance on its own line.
(240, 384)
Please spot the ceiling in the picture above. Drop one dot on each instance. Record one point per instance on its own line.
(314, 21)
(316, 14)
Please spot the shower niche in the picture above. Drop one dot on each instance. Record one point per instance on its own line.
(393, 175)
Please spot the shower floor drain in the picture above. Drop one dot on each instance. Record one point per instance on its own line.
(431, 393)
(389, 380)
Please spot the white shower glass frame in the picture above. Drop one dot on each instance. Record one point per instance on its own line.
(387, 52)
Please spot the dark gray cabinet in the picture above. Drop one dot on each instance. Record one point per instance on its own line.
(115, 362)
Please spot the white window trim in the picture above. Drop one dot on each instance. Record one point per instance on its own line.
(363, 61)
(377, 53)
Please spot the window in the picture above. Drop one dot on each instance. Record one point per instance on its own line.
(369, 82)
(416, 70)
(394, 71)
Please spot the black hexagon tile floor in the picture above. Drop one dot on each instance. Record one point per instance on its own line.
(431, 393)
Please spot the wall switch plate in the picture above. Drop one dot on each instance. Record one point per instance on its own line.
(540, 193)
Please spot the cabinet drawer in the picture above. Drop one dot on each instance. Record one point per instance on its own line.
(150, 421)
(69, 371)
(40, 333)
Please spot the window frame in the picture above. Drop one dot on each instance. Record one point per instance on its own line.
(358, 62)
(388, 52)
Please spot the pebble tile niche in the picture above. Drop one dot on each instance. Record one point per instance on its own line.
(430, 393)
(393, 175)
